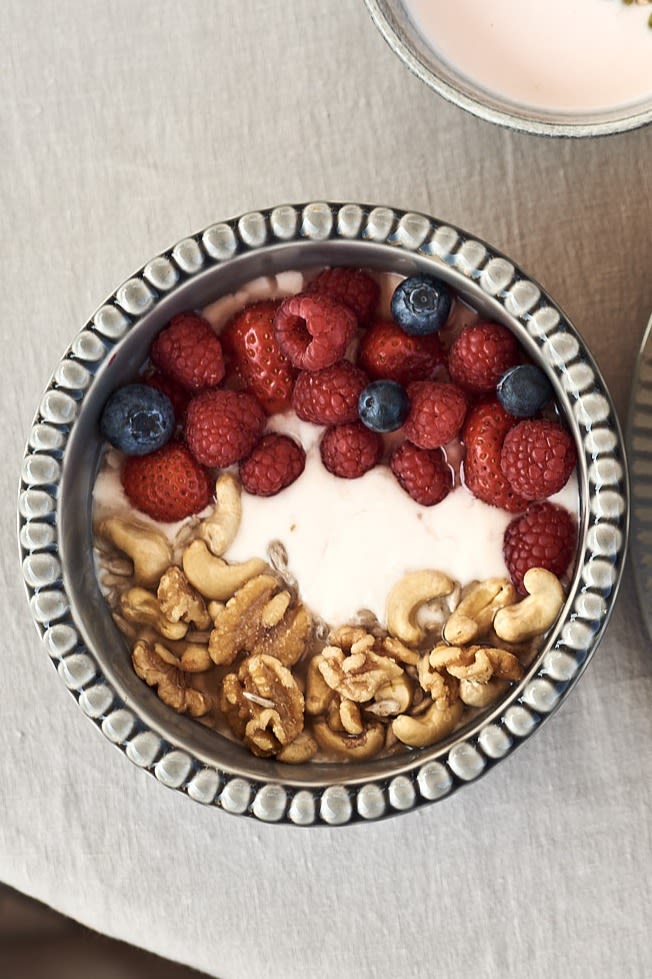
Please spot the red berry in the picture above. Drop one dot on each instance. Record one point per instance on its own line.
(350, 450)
(480, 356)
(543, 537)
(167, 484)
(263, 368)
(275, 462)
(313, 331)
(483, 434)
(436, 414)
(178, 396)
(423, 473)
(189, 352)
(387, 352)
(353, 287)
(329, 396)
(222, 427)
(537, 458)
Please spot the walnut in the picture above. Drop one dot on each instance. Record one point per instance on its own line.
(360, 674)
(443, 688)
(259, 622)
(263, 705)
(478, 663)
(156, 665)
(179, 601)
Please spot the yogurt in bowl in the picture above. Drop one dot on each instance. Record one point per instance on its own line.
(66, 452)
(554, 68)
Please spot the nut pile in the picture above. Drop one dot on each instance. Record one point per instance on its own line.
(234, 646)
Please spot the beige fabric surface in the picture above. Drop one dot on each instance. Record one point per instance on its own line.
(126, 126)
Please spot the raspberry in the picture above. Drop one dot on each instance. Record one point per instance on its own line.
(253, 349)
(483, 434)
(313, 331)
(167, 484)
(422, 473)
(353, 287)
(386, 352)
(537, 458)
(188, 351)
(350, 450)
(275, 462)
(329, 396)
(480, 356)
(222, 427)
(543, 537)
(436, 414)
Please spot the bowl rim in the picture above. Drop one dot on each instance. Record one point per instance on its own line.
(276, 793)
(491, 107)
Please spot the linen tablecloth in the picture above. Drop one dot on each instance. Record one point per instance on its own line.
(126, 126)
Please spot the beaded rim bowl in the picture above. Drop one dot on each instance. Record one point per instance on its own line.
(63, 454)
(393, 22)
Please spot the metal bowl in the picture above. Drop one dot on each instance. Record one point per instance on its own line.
(392, 20)
(62, 458)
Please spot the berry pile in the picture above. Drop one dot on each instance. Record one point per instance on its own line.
(203, 403)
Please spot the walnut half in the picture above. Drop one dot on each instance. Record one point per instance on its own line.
(263, 705)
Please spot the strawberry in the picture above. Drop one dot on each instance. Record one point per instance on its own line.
(537, 458)
(167, 484)
(189, 352)
(275, 462)
(262, 367)
(483, 434)
(350, 450)
(422, 473)
(480, 356)
(329, 396)
(387, 352)
(222, 427)
(543, 537)
(436, 413)
(353, 287)
(313, 331)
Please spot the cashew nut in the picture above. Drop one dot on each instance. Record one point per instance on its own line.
(394, 698)
(357, 747)
(213, 577)
(475, 613)
(406, 597)
(149, 550)
(534, 614)
(435, 724)
(303, 748)
(221, 526)
(140, 606)
(475, 694)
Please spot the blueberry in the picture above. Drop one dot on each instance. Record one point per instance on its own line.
(137, 419)
(383, 406)
(524, 390)
(421, 304)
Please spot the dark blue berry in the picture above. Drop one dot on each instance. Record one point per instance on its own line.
(421, 304)
(137, 419)
(524, 390)
(383, 406)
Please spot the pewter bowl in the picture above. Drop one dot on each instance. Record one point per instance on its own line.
(63, 454)
(392, 20)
